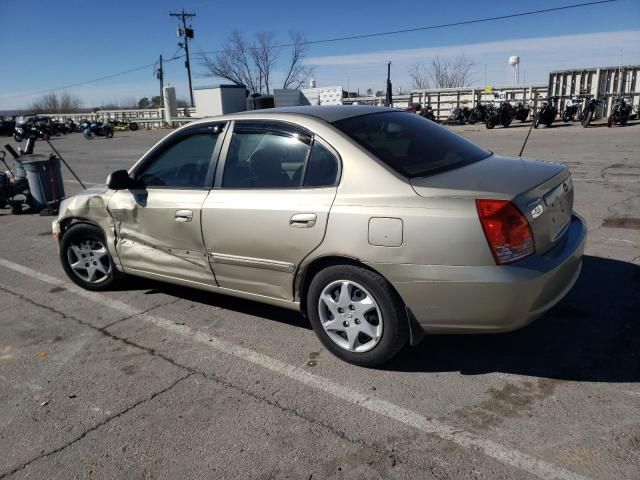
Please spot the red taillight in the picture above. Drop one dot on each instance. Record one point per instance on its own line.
(507, 230)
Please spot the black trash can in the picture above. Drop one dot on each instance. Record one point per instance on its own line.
(45, 179)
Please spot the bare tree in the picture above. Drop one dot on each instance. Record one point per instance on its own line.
(56, 103)
(264, 53)
(451, 73)
(253, 63)
(298, 73)
(419, 76)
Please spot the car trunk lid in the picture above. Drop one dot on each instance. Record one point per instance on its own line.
(543, 191)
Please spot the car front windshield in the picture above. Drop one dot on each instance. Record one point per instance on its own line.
(410, 144)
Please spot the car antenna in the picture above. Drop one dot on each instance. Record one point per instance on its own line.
(533, 121)
(65, 163)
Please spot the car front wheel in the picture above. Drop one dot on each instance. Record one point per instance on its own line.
(357, 315)
(86, 259)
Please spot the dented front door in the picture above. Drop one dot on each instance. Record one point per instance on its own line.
(158, 232)
(158, 223)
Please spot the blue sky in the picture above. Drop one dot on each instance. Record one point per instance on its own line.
(46, 44)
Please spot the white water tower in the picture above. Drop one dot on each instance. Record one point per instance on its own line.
(312, 83)
(513, 74)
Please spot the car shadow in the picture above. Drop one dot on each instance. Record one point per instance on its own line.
(593, 334)
(247, 307)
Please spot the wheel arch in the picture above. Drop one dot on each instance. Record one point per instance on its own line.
(308, 271)
(67, 223)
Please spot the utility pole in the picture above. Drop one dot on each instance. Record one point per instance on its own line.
(160, 76)
(388, 101)
(185, 33)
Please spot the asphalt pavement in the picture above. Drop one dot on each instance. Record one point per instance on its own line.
(159, 381)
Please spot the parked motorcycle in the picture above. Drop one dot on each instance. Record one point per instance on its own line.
(31, 128)
(521, 111)
(98, 129)
(547, 113)
(478, 114)
(459, 116)
(589, 112)
(572, 110)
(70, 126)
(123, 125)
(83, 125)
(427, 112)
(620, 113)
(501, 115)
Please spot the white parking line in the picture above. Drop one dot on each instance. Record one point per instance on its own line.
(502, 453)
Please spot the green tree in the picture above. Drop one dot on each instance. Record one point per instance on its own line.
(144, 103)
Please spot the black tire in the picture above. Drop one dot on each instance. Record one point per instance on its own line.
(395, 332)
(108, 133)
(17, 137)
(566, 117)
(586, 121)
(610, 121)
(472, 119)
(490, 123)
(133, 126)
(80, 233)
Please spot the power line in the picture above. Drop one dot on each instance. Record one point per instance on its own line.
(106, 77)
(336, 39)
(442, 25)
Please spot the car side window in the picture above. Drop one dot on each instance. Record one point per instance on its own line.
(265, 159)
(184, 164)
(322, 167)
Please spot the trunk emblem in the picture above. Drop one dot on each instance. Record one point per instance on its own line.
(536, 212)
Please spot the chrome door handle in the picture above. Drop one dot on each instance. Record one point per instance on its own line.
(303, 220)
(183, 216)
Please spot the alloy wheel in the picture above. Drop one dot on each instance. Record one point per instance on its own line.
(89, 260)
(350, 316)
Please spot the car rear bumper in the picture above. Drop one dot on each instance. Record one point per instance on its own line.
(467, 299)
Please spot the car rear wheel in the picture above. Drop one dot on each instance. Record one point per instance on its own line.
(357, 315)
(86, 259)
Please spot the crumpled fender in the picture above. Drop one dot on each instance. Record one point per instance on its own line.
(90, 205)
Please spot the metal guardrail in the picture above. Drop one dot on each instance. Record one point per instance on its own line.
(444, 100)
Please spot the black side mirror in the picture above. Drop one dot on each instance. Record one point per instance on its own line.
(119, 180)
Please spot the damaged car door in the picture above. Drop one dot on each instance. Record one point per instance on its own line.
(158, 224)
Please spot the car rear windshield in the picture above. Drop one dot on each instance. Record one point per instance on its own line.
(411, 144)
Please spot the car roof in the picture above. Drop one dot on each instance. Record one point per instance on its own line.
(328, 113)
